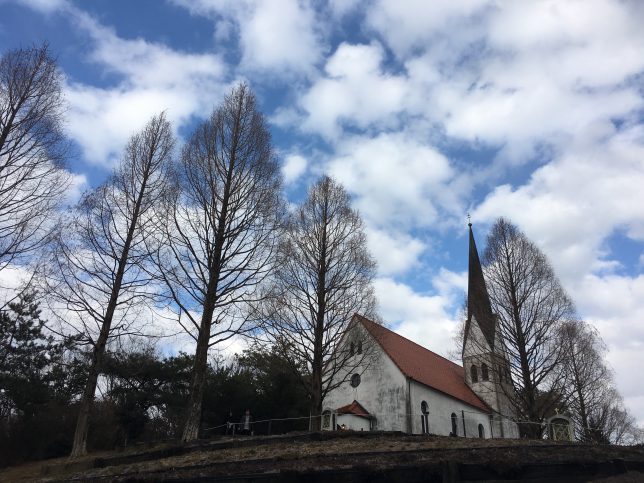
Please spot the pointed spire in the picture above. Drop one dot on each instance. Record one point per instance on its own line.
(478, 299)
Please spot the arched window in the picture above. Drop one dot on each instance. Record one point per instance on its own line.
(474, 373)
(326, 419)
(424, 409)
(355, 380)
(484, 372)
(359, 347)
(454, 425)
(481, 431)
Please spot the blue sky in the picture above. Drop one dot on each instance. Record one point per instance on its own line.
(424, 110)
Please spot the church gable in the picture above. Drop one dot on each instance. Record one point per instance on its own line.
(423, 365)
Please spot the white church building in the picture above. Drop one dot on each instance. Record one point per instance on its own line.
(401, 386)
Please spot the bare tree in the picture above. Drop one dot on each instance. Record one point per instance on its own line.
(220, 231)
(98, 275)
(323, 277)
(592, 399)
(530, 305)
(32, 148)
(612, 422)
(588, 379)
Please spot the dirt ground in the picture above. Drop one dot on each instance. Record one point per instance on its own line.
(341, 454)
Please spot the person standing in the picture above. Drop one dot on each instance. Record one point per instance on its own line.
(245, 424)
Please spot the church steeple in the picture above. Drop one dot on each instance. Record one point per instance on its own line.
(478, 299)
(483, 350)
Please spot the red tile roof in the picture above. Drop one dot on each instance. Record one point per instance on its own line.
(423, 365)
(354, 408)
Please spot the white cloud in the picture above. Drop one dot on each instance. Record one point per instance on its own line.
(13, 278)
(78, 184)
(428, 320)
(45, 6)
(413, 24)
(397, 181)
(613, 303)
(153, 77)
(396, 253)
(340, 8)
(281, 37)
(518, 76)
(571, 205)
(354, 91)
(293, 168)
(452, 284)
(574, 36)
(421, 318)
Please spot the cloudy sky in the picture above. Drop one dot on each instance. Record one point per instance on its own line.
(425, 111)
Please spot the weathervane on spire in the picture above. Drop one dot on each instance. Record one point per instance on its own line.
(469, 219)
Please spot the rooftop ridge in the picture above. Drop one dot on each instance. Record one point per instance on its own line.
(409, 340)
(421, 364)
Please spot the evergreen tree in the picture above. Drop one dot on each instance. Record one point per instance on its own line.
(27, 353)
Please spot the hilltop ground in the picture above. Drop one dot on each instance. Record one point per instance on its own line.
(348, 457)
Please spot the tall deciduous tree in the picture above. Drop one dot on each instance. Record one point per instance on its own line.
(220, 230)
(592, 399)
(98, 272)
(323, 277)
(588, 379)
(531, 305)
(32, 149)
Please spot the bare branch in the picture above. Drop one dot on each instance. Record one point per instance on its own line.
(220, 230)
(98, 273)
(323, 277)
(32, 148)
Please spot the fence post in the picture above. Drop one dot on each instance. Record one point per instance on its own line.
(269, 426)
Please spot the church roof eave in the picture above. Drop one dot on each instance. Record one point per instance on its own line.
(422, 365)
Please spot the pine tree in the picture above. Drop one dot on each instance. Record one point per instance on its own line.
(27, 352)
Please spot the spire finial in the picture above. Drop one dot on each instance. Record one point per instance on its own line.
(469, 220)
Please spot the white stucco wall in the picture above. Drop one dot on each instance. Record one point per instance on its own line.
(476, 342)
(383, 393)
(382, 390)
(441, 407)
(355, 423)
(477, 351)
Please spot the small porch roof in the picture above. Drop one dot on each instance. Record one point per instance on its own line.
(354, 408)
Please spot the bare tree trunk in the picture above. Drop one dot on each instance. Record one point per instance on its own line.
(99, 262)
(79, 447)
(531, 305)
(317, 366)
(193, 411)
(324, 277)
(220, 232)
